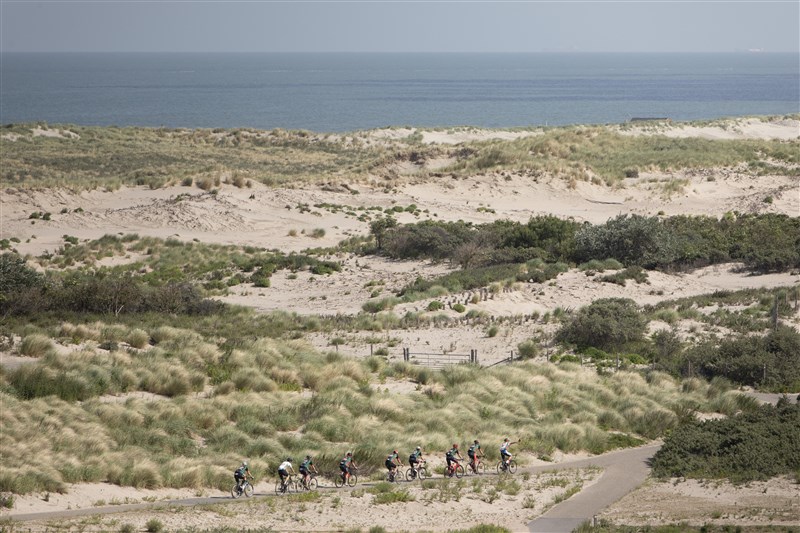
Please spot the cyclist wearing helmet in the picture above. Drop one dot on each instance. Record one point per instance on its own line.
(284, 471)
(452, 456)
(346, 464)
(474, 454)
(415, 458)
(305, 469)
(392, 461)
(240, 474)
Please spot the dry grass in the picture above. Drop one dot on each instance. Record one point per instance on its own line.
(271, 398)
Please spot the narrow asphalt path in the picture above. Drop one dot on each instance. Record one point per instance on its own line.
(624, 471)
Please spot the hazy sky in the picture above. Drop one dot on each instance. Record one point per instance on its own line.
(399, 26)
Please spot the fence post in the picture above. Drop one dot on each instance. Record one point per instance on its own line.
(476, 356)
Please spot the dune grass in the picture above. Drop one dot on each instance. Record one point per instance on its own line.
(110, 157)
(263, 399)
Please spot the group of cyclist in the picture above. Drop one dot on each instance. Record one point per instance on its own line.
(393, 461)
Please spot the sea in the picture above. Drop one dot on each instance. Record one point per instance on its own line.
(341, 92)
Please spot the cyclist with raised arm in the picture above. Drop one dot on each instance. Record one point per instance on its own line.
(284, 471)
(240, 474)
(474, 452)
(452, 456)
(392, 462)
(505, 454)
(305, 469)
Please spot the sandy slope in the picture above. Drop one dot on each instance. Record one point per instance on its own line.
(271, 218)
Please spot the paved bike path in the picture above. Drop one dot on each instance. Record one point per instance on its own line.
(624, 471)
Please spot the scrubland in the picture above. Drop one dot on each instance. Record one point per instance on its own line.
(223, 304)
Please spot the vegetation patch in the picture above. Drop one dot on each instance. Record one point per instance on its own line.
(751, 446)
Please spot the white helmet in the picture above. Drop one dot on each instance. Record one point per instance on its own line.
(244, 463)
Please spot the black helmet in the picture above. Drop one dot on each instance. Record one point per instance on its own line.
(308, 457)
(394, 451)
(476, 441)
(289, 459)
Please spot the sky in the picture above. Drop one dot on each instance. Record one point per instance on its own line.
(399, 26)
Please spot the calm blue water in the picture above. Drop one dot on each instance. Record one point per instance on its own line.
(345, 92)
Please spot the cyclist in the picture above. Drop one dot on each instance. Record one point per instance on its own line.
(285, 470)
(392, 462)
(474, 454)
(452, 456)
(415, 458)
(346, 464)
(305, 469)
(240, 474)
(504, 453)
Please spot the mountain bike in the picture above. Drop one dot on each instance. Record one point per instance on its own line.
(397, 477)
(245, 488)
(312, 483)
(350, 478)
(420, 472)
(477, 467)
(287, 486)
(455, 469)
(503, 468)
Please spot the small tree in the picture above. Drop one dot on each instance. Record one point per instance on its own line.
(379, 227)
(608, 324)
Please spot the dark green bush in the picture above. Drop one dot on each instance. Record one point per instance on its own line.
(608, 324)
(771, 362)
(750, 446)
(16, 275)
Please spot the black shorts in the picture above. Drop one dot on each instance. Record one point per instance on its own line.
(389, 464)
(304, 471)
(471, 455)
(343, 468)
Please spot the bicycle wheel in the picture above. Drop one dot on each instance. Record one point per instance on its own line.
(459, 471)
(338, 481)
(248, 490)
(312, 484)
(352, 480)
(512, 466)
(399, 476)
(422, 473)
(235, 492)
(410, 474)
(501, 467)
(279, 488)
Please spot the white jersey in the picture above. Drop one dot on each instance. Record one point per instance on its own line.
(504, 446)
(286, 465)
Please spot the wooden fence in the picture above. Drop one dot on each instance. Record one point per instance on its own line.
(439, 360)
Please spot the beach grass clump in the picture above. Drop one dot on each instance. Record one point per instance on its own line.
(137, 338)
(35, 345)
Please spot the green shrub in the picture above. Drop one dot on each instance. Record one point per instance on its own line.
(751, 446)
(154, 525)
(528, 349)
(607, 323)
(435, 305)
